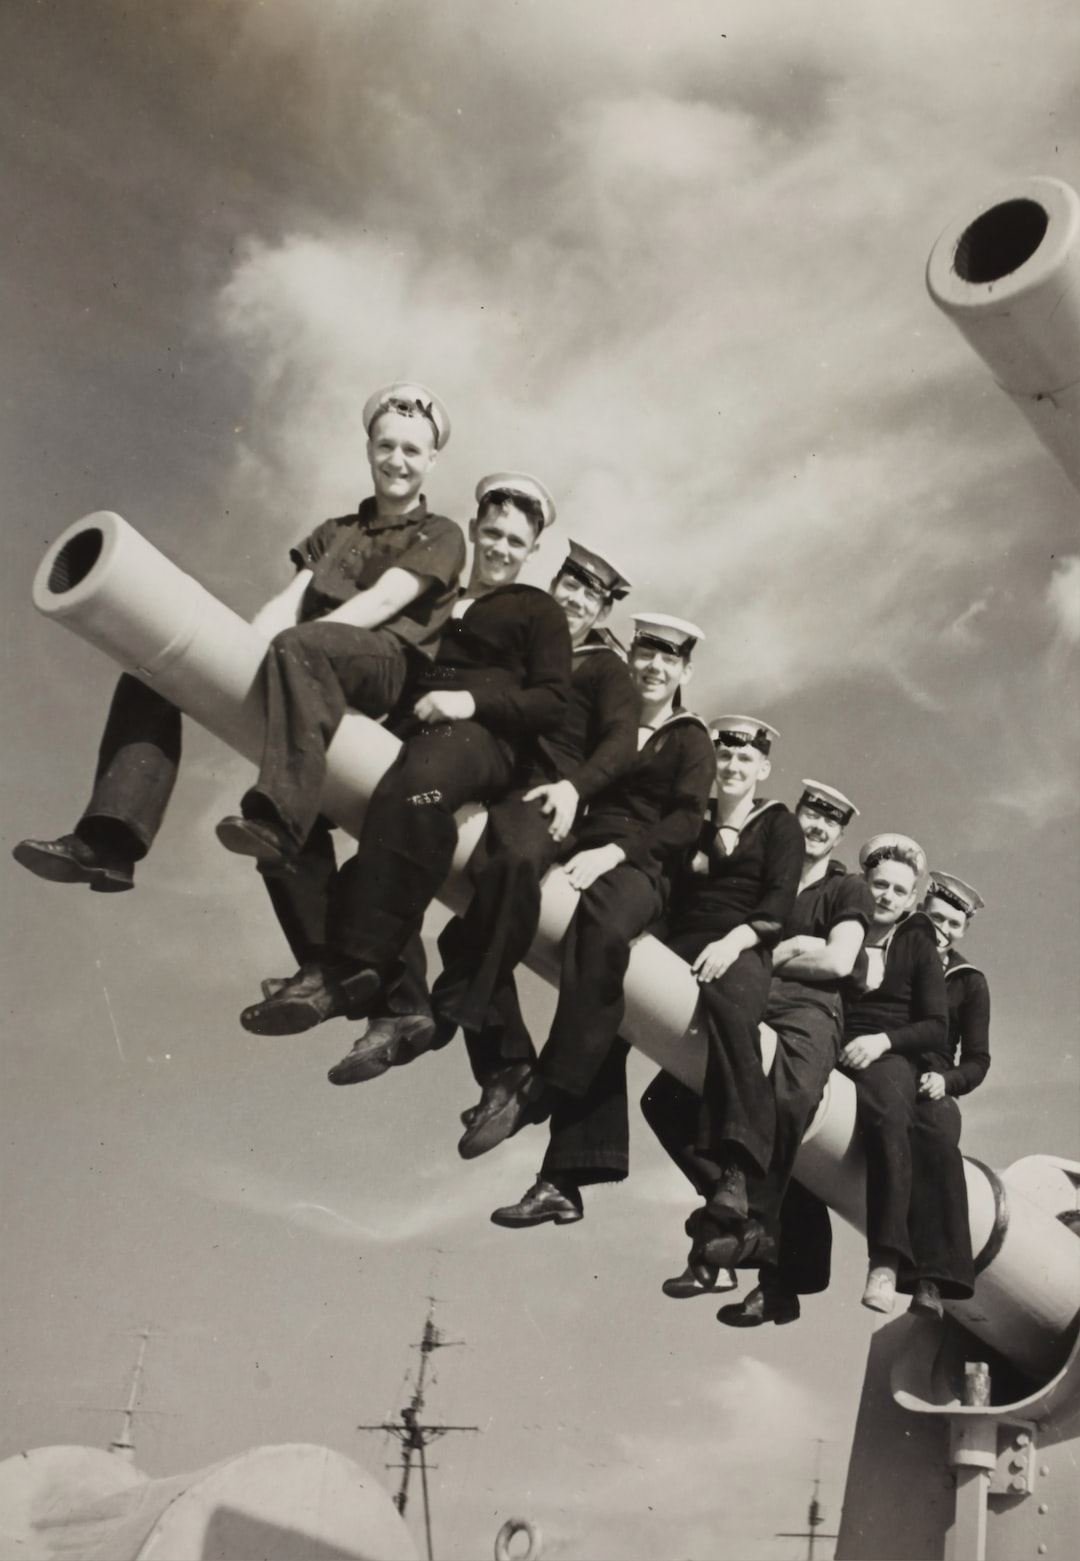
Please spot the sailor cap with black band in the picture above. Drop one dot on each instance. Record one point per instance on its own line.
(524, 486)
(660, 631)
(410, 399)
(828, 801)
(595, 572)
(954, 891)
(892, 847)
(742, 731)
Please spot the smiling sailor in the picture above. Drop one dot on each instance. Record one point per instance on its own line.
(499, 682)
(727, 913)
(630, 842)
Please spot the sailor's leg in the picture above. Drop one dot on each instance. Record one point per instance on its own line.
(313, 673)
(938, 1218)
(807, 1022)
(590, 1134)
(804, 1253)
(299, 894)
(498, 928)
(136, 770)
(737, 1108)
(408, 838)
(885, 1101)
(671, 1109)
(595, 953)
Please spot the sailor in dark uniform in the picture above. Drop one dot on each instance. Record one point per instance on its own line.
(944, 1073)
(727, 913)
(916, 1204)
(812, 966)
(950, 904)
(369, 597)
(501, 680)
(526, 834)
(628, 845)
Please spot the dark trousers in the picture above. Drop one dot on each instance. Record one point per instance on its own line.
(735, 1113)
(408, 838)
(136, 768)
(482, 949)
(938, 1231)
(938, 1222)
(885, 1113)
(583, 1059)
(808, 1022)
(313, 673)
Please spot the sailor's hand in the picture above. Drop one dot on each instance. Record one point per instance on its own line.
(587, 866)
(559, 801)
(931, 1086)
(864, 1050)
(716, 959)
(445, 705)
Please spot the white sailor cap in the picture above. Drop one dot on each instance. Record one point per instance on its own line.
(659, 631)
(742, 731)
(522, 486)
(595, 572)
(890, 847)
(827, 800)
(411, 400)
(946, 886)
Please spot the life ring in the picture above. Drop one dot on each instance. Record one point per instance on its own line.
(509, 1532)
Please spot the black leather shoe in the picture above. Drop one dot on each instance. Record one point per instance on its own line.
(700, 1280)
(314, 995)
(389, 1041)
(729, 1195)
(761, 1306)
(517, 1098)
(728, 1246)
(543, 1201)
(71, 860)
(256, 837)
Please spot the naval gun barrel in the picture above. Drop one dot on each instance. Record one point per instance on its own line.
(1007, 274)
(112, 588)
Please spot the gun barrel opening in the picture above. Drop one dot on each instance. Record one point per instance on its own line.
(1000, 241)
(75, 560)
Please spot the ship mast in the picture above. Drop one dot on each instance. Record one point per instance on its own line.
(412, 1432)
(814, 1515)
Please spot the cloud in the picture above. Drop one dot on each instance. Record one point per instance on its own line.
(662, 295)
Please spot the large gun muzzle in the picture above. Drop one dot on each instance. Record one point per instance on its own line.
(1007, 274)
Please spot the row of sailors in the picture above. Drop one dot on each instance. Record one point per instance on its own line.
(521, 700)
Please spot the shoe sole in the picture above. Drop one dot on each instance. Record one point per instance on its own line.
(235, 838)
(61, 869)
(879, 1303)
(501, 1217)
(361, 1069)
(680, 1292)
(292, 1016)
(492, 1131)
(743, 1320)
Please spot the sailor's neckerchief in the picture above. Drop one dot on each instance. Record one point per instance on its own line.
(877, 954)
(759, 807)
(666, 724)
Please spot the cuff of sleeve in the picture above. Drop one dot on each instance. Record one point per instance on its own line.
(768, 931)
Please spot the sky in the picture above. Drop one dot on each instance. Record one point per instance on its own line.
(670, 258)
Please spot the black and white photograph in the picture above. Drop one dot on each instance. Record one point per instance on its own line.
(542, 602)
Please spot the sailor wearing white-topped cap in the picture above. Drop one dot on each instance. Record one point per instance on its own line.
(726, 915)
(370, 591)
(812, 963)
(526, 834)
(950, 903)
(631, 840)
(499, 683)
